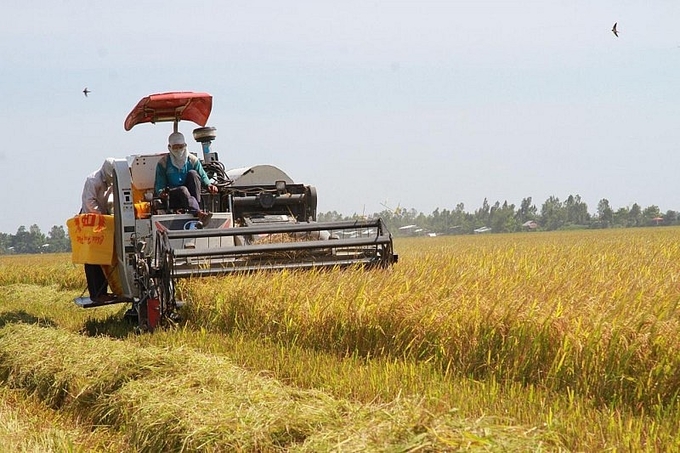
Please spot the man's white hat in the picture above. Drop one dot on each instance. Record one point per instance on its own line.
(107, 169)
(176, 138)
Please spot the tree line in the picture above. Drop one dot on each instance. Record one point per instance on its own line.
(553, 214)
(34, 241)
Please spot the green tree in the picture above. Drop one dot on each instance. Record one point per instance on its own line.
(330, 216)
(670, 216)
(620, 217)
(502, 219)
(576, 211)
(649, 214)
(553, 214)
(462, 221)
(5, 243)
(604, 213)
(635, 216)
(481, 215)
(30, 241)
(526, 211)
(57, 240)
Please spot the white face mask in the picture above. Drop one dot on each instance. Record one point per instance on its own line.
(178, 156)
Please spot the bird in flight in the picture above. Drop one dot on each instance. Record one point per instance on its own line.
(614, 30)
(86, 91)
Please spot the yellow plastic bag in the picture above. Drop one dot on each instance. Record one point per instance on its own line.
(142, 210)
(92, 239)
(113, 278)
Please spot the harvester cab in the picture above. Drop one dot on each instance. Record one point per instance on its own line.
(261, 220)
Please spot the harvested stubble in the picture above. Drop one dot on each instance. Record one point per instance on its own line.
(27, 425)
(182, 400)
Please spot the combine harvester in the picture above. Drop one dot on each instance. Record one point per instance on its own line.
(262, 220)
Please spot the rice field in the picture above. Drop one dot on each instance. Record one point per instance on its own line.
(564, 341)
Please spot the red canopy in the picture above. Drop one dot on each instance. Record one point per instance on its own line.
(172, 106)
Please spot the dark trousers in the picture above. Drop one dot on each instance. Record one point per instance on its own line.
(96, 280)
(187, 196)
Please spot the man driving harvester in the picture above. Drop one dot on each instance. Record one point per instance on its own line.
(179, 178)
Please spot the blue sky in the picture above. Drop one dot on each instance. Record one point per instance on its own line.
(419, 104)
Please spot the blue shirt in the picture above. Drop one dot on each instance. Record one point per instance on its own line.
(169, 176)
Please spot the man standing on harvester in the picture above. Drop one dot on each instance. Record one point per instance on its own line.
(179, 178)
(95, 199)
